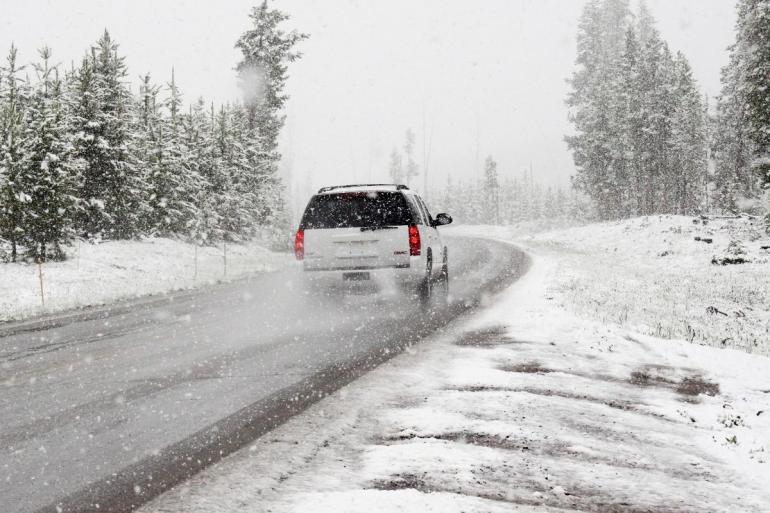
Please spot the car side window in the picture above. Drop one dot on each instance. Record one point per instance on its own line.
(417, 211)
(426, 213)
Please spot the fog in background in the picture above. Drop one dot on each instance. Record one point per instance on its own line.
(477, 78)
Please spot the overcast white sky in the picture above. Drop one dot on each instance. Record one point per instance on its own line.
(495, 69)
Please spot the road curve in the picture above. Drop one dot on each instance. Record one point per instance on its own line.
(107, 409)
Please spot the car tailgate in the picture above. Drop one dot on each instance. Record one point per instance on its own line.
(357, 248)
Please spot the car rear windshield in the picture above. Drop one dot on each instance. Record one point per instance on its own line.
(356, 210)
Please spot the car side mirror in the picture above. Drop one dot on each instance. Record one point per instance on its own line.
(442, 219)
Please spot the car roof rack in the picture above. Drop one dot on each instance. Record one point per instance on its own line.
(399, 187)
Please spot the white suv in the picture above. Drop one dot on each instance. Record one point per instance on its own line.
(379, 233)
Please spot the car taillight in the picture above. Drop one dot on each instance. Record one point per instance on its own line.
(299, 244)
(414, 240)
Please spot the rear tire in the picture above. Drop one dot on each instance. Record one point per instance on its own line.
(444, 281)
(425, 289)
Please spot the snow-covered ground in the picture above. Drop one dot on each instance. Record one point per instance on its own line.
(96, 274)
(650, 274)
(526, 407)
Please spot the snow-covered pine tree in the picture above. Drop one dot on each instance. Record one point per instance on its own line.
(171, 179)
(50, 172)
(754, 37)
(267, 50)
(625, 107)
(199, 139)
(595, 85)
(689, 167)
(232, 208)
(549, 203)
(631, 135)
(13, 196)
(410, 169)
(732, 150)
(560, 203)
(259, 186)
(656, 103)
(396, 167)
(113, 188)
(143, 148)
(491, 188)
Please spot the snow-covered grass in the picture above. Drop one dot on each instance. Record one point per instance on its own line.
(652, 275)
(96, 274)
(527, 407)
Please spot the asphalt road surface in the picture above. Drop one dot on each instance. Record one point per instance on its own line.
(105, 409)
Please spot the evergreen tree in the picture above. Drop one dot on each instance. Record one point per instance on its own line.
(13, 196)
(754, 37)
(50, 171)
(732, 150)
(172, 179)
(688, 142)
(232, 209)
(112, 188)
(410, 170)
(640, 136)
(199, 139)
(595, 86)
(491, 192)
(267, 50)
(396, 167)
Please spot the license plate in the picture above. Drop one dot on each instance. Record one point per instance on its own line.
(355, 276)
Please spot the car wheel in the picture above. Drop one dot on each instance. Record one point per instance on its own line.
(445, 279)
(425, 292)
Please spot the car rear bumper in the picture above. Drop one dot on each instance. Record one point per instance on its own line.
(401, 275)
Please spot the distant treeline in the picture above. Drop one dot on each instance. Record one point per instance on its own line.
(82, 156)
(508, 201)
(643, 134)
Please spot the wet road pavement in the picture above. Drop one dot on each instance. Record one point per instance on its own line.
(115, 406)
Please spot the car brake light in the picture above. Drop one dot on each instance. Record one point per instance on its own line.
(299, 244)
(414, 240)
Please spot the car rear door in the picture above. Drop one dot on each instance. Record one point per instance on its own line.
(356, 230)
(433, 237)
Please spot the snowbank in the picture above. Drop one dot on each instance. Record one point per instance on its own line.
(97, 274)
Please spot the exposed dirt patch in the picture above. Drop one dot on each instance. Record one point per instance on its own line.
(403, 482)
(484, 388)
(689, 386)
(644, 378)
(575, 500)
(526, 367)
(696, 385)
(501, 483)
(487, 337)
(551, 447)
(549, 392)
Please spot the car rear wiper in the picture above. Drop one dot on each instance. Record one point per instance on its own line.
(382, 227)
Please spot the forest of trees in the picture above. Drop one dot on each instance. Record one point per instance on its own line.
(741, 142)
(508, 201)
(644, 137)
(82, 156)
(640, 123)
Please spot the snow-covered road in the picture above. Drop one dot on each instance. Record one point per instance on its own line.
(523, 408)
(113, 408)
